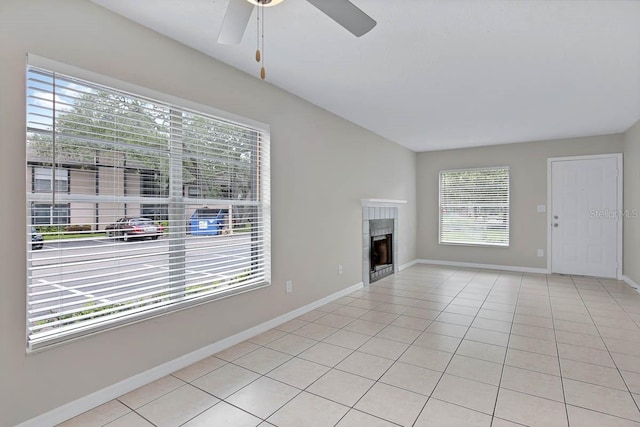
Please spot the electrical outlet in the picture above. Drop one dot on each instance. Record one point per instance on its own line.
(540, 252)
(288, 286)
(339, 269)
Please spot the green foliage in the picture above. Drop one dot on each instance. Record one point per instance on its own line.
(50, 229)
(49, 237)
(74, 231)
(194, 289)
(109, 128)
(89, 310)
(77, 227)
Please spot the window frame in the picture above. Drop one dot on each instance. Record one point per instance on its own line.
(263, 191)
(441, 241)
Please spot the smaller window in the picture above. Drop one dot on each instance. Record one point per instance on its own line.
(43, 180)
(47, 214)
(474, 206)
(153, 184)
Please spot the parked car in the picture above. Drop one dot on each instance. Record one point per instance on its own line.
(134, 228)
(36, 239)
(208, 222)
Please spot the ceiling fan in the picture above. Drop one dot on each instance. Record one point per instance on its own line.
(343, 12)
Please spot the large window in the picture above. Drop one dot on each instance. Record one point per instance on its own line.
(123, 239)
(474, 206)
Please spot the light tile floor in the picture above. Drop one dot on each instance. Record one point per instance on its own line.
(430, 346)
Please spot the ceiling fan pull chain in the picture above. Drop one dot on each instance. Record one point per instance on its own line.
(258, 36)
(262, 70)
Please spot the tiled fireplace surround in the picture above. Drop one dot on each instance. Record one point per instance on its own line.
(371, 211)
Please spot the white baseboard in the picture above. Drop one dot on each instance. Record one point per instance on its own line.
(532, 270)
(77, 407)
(407, 265)
(631, 283)
(484, 266)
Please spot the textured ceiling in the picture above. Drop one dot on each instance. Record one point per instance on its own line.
(438, 74)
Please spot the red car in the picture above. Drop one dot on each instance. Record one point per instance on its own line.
(134, 228)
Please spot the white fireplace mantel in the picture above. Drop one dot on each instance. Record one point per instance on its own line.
(382, 203)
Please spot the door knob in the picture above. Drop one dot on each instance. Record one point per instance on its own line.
(555, 224)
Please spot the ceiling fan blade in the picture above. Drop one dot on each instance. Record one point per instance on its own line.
(235, 21)
(346, 14)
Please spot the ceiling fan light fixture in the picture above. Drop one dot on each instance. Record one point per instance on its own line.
(265, 3)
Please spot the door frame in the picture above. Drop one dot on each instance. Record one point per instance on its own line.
(619, 207)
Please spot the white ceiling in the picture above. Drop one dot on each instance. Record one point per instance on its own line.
(438, 74)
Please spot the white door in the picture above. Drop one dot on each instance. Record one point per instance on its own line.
(584, 216)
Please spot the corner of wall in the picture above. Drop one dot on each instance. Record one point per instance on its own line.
(631, 210)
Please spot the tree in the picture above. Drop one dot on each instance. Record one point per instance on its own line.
(98, 127)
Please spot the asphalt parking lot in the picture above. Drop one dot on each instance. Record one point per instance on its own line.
(72, 273)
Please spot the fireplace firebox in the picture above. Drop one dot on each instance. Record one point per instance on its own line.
(381, 262)
(381, 251)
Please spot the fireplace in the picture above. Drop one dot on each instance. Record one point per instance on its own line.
(379, 238)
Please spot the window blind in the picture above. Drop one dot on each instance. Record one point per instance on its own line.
(474, 206)
(155, 207)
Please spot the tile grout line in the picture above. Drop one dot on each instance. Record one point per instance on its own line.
(411, 288)
(564, 395)
(410, 344)
(457, 347)
(390, 366)
(504, 360)
(607, 347)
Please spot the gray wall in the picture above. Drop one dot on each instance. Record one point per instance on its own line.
(321, 167)
(632, 203)
(528, 162)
